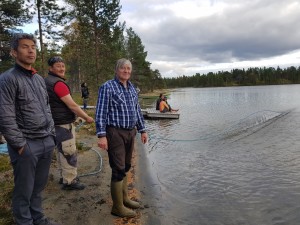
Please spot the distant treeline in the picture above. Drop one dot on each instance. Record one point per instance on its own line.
(238, 77)
(91, 39)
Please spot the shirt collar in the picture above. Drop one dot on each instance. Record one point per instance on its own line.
(119, 82)
(55, 75)
(27, 72)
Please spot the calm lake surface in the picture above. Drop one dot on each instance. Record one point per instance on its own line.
(232, 158)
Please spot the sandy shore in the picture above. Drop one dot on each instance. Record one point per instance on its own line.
(92, 205)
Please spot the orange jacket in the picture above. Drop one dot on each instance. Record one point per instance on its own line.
(163, 105)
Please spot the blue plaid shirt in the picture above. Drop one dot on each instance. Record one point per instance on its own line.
(119, 107)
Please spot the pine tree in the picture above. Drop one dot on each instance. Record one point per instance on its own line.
(135, 50)
(12, 14)
(50, 17)
(97, 20)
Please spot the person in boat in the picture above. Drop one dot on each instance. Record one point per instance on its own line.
(160, 98)
(164, 106)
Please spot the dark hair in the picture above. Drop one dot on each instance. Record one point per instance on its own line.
(19, 36)
(55, 59)
(83, 84)
(161, 94)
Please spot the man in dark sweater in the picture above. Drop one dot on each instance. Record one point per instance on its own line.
(28, 127)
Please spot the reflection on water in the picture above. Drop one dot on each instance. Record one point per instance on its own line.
(232, 158)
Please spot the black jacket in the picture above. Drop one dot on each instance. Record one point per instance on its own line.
(24, 107)
(85, 92)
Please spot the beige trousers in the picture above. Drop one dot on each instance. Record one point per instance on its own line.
(67, 154)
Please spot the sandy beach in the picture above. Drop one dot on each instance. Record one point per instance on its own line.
(92, 205)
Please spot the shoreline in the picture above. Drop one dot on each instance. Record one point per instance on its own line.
(148, 186)
(92, 205)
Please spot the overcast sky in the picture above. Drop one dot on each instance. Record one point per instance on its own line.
(185, 37)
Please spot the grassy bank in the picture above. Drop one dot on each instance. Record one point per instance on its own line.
(154, 94)
(6, 186)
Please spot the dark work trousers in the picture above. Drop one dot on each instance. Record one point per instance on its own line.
(120, 148)
(31, 170)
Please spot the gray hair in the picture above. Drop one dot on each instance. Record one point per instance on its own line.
(19, 36)
(121, 62)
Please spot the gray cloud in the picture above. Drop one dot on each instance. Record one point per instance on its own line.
(244, 30)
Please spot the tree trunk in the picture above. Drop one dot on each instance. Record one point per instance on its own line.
(41, 37)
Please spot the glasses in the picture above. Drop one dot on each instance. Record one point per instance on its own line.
(55, 59)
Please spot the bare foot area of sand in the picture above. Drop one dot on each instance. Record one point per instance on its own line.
(92, 205)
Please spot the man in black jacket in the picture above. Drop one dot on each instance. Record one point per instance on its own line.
(28, 127)
(64, 111)
(85, 94)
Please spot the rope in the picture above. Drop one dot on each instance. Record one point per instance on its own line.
(209, 136)
(99, 155)
(100, 165)
(79, 126)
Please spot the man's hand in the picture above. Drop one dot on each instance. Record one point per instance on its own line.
(144, 138)
(89, 119)
(20, 151)
(102, 143)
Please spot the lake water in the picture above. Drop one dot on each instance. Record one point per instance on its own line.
(232, 158)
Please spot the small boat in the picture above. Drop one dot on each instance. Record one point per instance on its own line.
(156, 114)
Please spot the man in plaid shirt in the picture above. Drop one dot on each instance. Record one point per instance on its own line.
(118, 119)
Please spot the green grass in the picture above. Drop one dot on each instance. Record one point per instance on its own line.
(154, 94)
(77, 98)
(148, 97)
(4, 163)
(6, 187)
